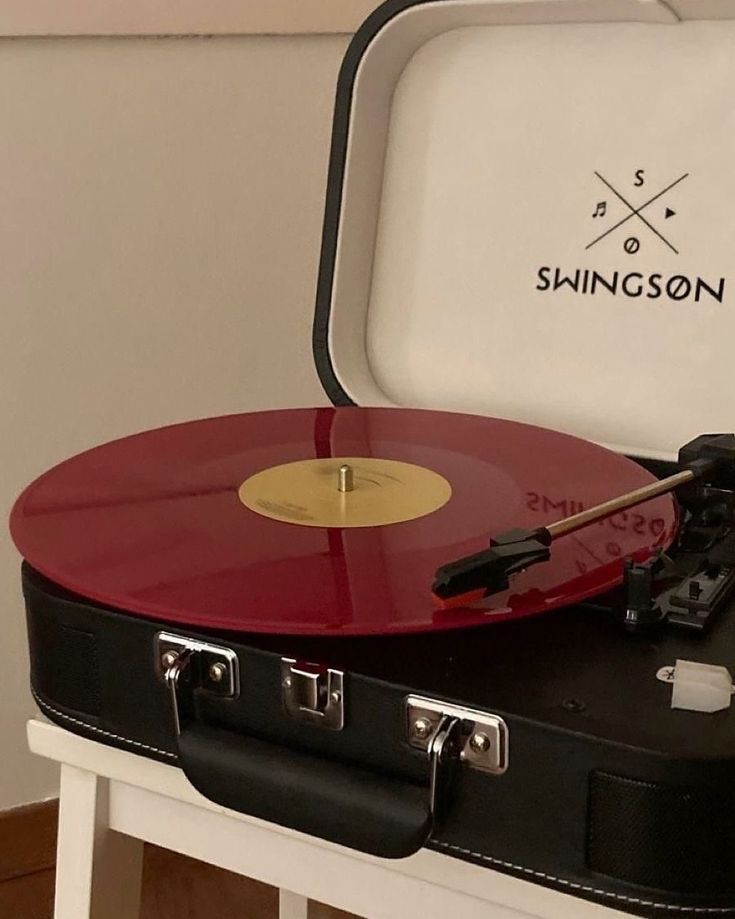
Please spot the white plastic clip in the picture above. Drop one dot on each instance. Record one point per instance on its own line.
(698, 687)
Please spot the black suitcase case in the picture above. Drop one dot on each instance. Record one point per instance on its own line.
(545, 748)
(608, 792)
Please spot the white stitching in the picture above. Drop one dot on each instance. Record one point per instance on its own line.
(571, 884)
(133, 743)
(445, 845)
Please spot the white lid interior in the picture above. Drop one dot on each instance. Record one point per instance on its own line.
(476, 133)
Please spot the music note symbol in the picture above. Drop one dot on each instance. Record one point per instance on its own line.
(600, 209)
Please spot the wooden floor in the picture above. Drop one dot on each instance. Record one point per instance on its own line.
(28, 897)
(174, 887)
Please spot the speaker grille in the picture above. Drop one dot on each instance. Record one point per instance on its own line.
(668, 837)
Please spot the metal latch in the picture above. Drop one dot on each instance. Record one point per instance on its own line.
(480, 739)
(212, 668)
(313, 693)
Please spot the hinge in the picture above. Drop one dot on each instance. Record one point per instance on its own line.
(481, 738)
(185, 664)
(217, 667)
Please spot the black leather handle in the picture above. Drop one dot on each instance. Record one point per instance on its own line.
(348, 805)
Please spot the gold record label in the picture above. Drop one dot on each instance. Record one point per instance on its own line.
(351, 491)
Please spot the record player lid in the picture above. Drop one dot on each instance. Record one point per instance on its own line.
(158, 524)
(529, 215)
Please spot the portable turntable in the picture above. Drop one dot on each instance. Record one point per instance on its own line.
(426, 616)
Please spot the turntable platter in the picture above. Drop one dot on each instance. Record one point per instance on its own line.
(186, 524)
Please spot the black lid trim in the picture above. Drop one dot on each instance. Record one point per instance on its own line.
(337, 158)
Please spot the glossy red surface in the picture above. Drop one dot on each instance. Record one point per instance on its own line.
(152, 524)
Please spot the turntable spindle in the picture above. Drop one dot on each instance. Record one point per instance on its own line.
(345, 491)
(346, 480)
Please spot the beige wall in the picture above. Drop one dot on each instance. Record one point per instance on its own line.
(160, 210)
(182, 17)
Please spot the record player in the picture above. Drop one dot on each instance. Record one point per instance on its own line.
(485, 603)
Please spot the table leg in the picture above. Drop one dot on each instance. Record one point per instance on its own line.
(98, 872)
(292, 905)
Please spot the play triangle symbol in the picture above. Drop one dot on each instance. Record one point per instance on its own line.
(669, 213)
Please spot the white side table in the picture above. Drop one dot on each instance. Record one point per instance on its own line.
(112, 801)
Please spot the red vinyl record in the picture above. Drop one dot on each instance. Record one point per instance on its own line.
(155, 524)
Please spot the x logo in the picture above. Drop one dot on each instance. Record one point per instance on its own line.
(636, 212)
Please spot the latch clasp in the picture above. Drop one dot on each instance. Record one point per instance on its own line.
(313, 693)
